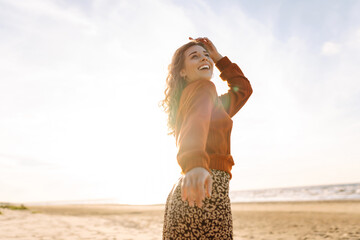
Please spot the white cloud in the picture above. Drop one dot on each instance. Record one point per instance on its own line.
(39, 9)
(331, 48)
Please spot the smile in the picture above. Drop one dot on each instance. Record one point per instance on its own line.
(207, 67)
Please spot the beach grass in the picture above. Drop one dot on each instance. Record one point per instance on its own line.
(13, 206)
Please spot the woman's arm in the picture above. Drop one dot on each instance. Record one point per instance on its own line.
(194, 116)
(240, 88)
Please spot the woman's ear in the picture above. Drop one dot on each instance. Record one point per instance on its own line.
(183, 73)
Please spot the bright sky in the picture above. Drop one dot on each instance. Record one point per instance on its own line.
(81, 80)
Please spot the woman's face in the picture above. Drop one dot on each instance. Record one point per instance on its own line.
(198, 65)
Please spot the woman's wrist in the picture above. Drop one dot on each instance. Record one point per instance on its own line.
(217, 57)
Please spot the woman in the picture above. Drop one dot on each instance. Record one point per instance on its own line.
(198, 207)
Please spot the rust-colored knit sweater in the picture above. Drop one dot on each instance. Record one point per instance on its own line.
(203, 124)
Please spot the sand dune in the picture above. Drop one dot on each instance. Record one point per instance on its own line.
(306, 220)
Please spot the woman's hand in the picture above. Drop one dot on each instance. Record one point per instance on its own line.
(195, 186)
(214, 54)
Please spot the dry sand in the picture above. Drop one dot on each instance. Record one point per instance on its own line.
(302, 220)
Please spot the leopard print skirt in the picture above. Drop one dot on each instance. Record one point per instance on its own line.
(212, 221)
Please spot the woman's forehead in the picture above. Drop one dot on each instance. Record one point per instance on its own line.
(195, 48)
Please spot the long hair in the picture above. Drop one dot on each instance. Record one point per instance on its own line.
(175, 85)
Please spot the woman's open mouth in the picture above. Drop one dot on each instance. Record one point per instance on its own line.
(204, 67)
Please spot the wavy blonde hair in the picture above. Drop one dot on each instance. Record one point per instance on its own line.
(175, 85)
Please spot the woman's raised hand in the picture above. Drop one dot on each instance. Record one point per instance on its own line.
(195, 186)
(214, 54)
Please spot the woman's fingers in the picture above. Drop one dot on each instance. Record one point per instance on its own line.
(204, 40)
(200, 196)
(208, 186)
(187, 191)
(184, 191)
(214, 54)
(200, 39)
(196, 186)
(193, 193)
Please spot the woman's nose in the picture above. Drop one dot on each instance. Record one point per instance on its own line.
(203, 57)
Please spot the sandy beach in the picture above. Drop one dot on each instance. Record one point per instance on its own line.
(297, 220)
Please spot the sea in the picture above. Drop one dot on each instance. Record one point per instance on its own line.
(307, 193)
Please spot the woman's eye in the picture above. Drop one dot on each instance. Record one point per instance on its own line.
(208, 55)
(194, 56)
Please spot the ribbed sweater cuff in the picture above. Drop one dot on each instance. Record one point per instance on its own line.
(222, 162)
(190, 160)
(223, 63)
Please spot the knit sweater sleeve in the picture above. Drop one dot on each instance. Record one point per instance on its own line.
(198, 102)
(240, 88)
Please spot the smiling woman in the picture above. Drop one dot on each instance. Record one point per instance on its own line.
(198, 207)
(198, 64)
